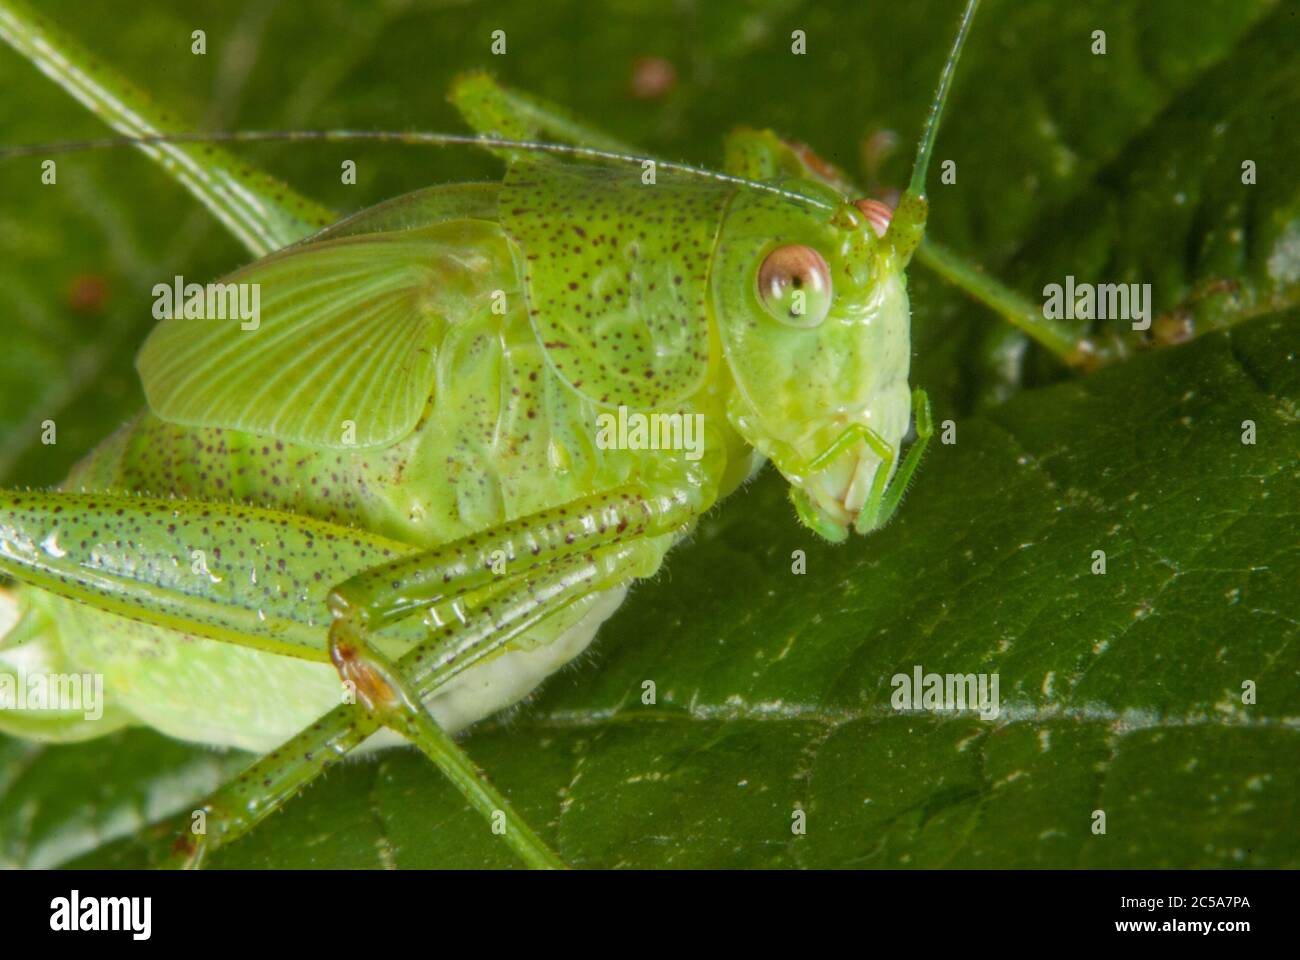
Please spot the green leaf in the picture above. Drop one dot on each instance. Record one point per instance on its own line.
(1119, 692)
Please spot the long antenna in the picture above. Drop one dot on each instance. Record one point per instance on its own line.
(926, 146)
(405, 137)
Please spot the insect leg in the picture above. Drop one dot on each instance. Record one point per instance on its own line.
(1072, 346)
(881, 504)
(240, 574)
(570, 552)
(762, 155)
(885, 495)
(397, 691)
(496, 110)
(393, 590)
(259, 211)
(271, 781)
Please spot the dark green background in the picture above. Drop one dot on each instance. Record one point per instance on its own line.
(1120, 692)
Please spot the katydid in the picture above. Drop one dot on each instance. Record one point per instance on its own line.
(393, 478)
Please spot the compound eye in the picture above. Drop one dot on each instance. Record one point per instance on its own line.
(794, 285)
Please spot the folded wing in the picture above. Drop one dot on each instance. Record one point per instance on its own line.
(340, 353)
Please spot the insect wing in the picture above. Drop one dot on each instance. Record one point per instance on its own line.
(338, 352)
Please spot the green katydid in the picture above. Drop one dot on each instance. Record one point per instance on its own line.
(394, 478)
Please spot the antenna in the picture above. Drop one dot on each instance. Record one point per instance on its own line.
(407, 137)
(926, 147)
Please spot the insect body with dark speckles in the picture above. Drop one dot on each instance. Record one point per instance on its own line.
(393, 477)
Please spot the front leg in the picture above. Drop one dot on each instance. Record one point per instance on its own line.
(883, 501)
(887, 487)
